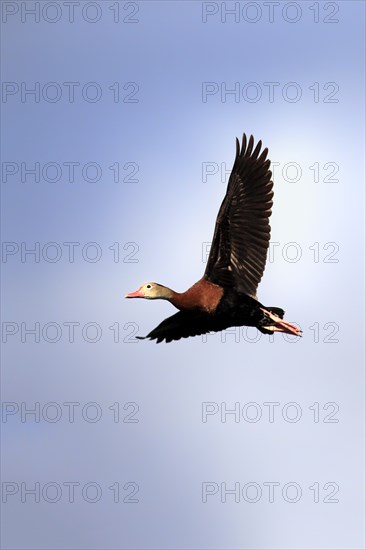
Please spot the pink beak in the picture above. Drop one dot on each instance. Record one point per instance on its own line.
(136, 294)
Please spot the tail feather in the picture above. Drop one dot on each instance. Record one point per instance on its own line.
(273, 321)
(277, 311)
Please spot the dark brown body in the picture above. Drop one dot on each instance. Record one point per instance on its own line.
(203, 296)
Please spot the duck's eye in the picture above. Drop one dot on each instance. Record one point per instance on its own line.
(148, 286)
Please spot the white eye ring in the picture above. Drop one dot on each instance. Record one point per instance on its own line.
(148, 286)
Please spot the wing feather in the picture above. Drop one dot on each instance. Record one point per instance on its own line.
(242, 232)
(183, 324)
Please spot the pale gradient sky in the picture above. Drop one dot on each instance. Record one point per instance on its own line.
(168, 213)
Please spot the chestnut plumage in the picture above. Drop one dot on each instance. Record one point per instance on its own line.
(226, 294)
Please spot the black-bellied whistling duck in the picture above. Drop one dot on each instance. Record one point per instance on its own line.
(226, 294)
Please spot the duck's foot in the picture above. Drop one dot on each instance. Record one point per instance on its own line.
(279, 325)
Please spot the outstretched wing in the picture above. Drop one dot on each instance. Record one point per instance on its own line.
(242, 232)
(183, 324)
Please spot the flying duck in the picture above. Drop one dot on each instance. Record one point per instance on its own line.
(226, 295)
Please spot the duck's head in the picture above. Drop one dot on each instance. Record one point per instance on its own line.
(151, 291)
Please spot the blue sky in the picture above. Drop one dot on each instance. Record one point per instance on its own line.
(131, 101)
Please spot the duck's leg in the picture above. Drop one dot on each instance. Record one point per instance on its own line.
(279, 325)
